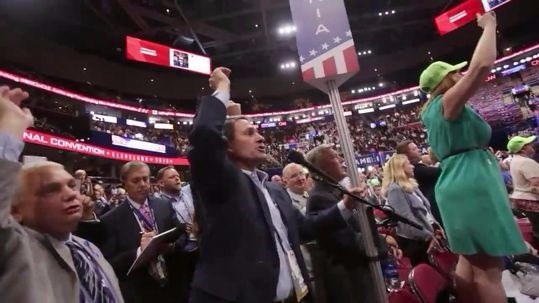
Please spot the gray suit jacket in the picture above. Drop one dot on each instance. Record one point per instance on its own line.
(413, 207)
(36, 267)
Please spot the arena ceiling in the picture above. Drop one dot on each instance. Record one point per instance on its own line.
(243, 34)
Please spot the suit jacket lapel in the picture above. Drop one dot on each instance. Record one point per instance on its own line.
(60, 251)
(280, 204)
(131, 223)
(158, 215)
(262, 202)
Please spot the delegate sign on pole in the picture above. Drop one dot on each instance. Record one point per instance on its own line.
(325, 44)
(328, 58)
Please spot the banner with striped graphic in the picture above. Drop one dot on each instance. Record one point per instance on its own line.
(325, 44)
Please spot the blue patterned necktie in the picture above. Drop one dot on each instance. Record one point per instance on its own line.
(95, 287)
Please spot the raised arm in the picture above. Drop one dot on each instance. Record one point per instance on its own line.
(480, 65)
(15, 256)
(13, 122)
(207, 154)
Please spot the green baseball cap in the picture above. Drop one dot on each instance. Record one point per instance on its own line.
(374, 182)
(435, 73)
(517, 143)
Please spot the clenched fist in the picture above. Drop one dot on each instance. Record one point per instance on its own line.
(87, 207)
(488, 18)
(219, 79)
(14, 119)
(233, 108)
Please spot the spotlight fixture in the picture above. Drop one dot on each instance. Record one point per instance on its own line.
(287, 30)
(288, 65)
(364, 52)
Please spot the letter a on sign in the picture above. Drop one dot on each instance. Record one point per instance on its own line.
(326, 48)
(321, 28)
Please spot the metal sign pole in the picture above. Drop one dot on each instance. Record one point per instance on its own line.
(380, 294)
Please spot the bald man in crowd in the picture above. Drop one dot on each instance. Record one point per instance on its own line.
(295, 181)
(277, 180)
(80, 174)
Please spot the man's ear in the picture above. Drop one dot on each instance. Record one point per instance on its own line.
(16, 213)
(229, 148)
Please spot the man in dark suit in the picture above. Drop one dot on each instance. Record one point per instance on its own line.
(249, 248)
(426, 176)
(347, 276)
(128, 229)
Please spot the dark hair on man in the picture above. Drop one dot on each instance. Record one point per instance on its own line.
(228, 128)
(404, 147)
(162, 171)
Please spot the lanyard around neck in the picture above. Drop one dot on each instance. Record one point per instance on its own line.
(146, 224)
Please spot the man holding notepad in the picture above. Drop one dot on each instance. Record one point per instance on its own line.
(126, 234)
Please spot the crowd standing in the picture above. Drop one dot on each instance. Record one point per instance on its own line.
(237, 234)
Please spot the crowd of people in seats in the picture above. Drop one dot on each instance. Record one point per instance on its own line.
(235, 234)
(392, 126)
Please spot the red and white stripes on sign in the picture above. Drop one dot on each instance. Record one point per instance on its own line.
(341, 60)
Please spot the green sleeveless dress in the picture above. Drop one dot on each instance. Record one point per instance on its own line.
(472, 198)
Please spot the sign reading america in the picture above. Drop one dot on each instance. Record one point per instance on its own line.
(324, 39)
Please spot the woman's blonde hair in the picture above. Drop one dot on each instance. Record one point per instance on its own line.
(394, 172)
(447, 83)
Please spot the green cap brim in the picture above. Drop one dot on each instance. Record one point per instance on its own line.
(529, 140)
(459, 66)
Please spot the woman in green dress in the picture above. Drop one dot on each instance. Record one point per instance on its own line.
(471, 195)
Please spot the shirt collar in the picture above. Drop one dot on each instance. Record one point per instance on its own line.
(135, 204)
(262, 176)
(297, 197)
(171, 197)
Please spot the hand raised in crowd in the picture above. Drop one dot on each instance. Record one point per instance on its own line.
(488, 18)
(349, 201)
(219, 79)
(87, 208)
(233, 108)
(14, 119)
(145, 238)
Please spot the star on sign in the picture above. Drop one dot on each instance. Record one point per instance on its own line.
(349, 33)
(313, 52)
(325, 46)
(337, 39)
